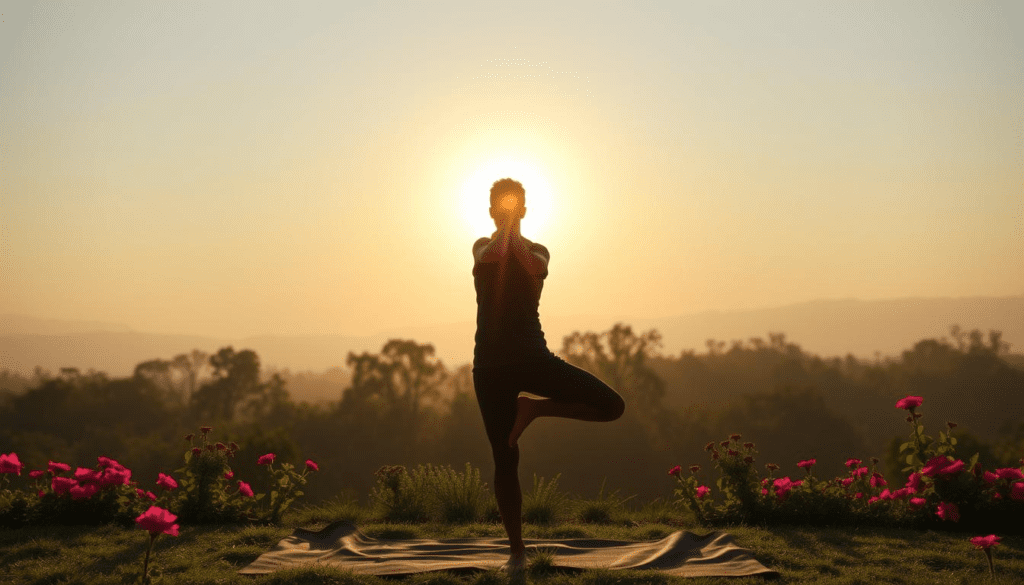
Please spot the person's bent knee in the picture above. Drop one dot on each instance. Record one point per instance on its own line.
(616, 408)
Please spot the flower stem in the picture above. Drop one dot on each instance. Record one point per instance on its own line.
(145, 565)
(991, 567)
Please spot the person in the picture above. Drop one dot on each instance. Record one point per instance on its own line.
(511, 355)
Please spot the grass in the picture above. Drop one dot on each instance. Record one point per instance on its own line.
(213, 554)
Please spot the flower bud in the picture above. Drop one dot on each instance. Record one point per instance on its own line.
(735, 437)
(709, 446)
(951, 425)
(205, 430)
(694, 468)
(748, 445)
(189, 436)
(771, 466)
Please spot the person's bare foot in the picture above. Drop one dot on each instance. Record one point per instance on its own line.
(526, 411)
(515, 563)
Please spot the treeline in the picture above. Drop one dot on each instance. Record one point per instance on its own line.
(404, 406)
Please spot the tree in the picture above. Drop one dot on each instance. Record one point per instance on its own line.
(236, 379)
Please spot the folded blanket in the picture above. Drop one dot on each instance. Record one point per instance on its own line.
(342, 545)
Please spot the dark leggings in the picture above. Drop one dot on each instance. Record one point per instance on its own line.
(498, 387)
(575, 393)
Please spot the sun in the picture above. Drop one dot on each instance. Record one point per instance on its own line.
(475, 195)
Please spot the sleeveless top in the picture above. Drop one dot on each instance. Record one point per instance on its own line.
(507, 321)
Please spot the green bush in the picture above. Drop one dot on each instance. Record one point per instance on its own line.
(602, 509)
(545, 504)
(460, 497)
(400, 495)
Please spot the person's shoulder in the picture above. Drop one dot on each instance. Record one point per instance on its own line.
(481, 242)
(539, 248)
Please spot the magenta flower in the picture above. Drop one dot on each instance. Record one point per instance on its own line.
(1017, 491)
(877, 480)
(909, 403)
(990, 478)
(846, 481)
(145, 494)
(1009, 473)
(914, 482)
(107, 462)
(62, 485)
(10, 464)
(229, 474)
(694, 468)
(167, 482)
(113, 476)
(941, 466)
(205, 430)
(860, 472)
(56, 468)
(948, 511)
(84, 475)
(266, 459)
(197, 451)
(83, 491)
(244, 489)
(873, 499)
(702, 491)
(36, 474)
(807, 464)
(675, 470)
(851, 463)
(310, 464)
(158, 521)
(918, 501)
(984, 542)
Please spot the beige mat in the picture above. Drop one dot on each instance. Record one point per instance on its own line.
(341, 545)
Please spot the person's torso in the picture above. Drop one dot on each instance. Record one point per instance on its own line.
(508, 321)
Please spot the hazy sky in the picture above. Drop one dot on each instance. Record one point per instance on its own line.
(289, 167)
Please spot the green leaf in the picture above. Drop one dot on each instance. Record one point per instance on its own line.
(942, 437)
(920, 429)
(910, 459)
(952, 440)
(905, 446)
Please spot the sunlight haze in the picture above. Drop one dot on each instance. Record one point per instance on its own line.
(246, 168)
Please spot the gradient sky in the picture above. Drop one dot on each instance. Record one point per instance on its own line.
(231, 169)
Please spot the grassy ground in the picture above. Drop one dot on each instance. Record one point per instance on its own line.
(214, 554)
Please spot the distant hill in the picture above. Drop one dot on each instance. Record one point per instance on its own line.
(824, 327)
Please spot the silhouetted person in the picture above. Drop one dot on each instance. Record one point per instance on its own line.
(511, 355)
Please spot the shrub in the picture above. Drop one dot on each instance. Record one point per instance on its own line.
(545, 504)
(601, 510)
(401, 496)
(460, 497)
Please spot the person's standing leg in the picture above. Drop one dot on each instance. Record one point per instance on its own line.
(496, 394)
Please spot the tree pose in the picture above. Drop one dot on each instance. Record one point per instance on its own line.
(511, 355)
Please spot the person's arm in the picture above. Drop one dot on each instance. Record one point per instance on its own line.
(535, 262)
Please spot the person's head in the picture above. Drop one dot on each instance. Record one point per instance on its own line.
(508, 200)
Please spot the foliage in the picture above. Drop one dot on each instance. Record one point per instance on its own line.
(601, 509)
(429, 492)
(939, 489)
(545, 504)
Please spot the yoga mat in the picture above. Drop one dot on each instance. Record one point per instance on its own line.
(342, 545)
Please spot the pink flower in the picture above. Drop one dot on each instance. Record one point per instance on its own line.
(112, 476)
(107, 462)
(917, 501)
(205, 430)
(941, 466)
(807, 464)
(885, 495)
(196, 451)
(846, 481)
(145, 494)
(914, 482)
(771, 466)
(877, 480)
(860, 472)
(948, 512)
(56, 468)
(266, 459)
(674, 471)
(244, 489)
(735, 437)
(1009, 473)
(157, 520)
(83, 491)
(1017, 491)
(851, 463)
(693, 468)
(873, 499)
(990, 478)
(732, 453)
(84, 475)
(10, 464)
(909, 403)
(62, 485)
(37, 473)
(985, 542)
(748, 459)
(702, 491)
(901, 493)
(229, 474)
(167, 482)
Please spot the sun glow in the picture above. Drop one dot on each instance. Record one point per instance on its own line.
(475, 196)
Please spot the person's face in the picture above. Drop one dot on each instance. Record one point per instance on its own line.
(508, 208)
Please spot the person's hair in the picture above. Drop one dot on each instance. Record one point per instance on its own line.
(503, 186)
